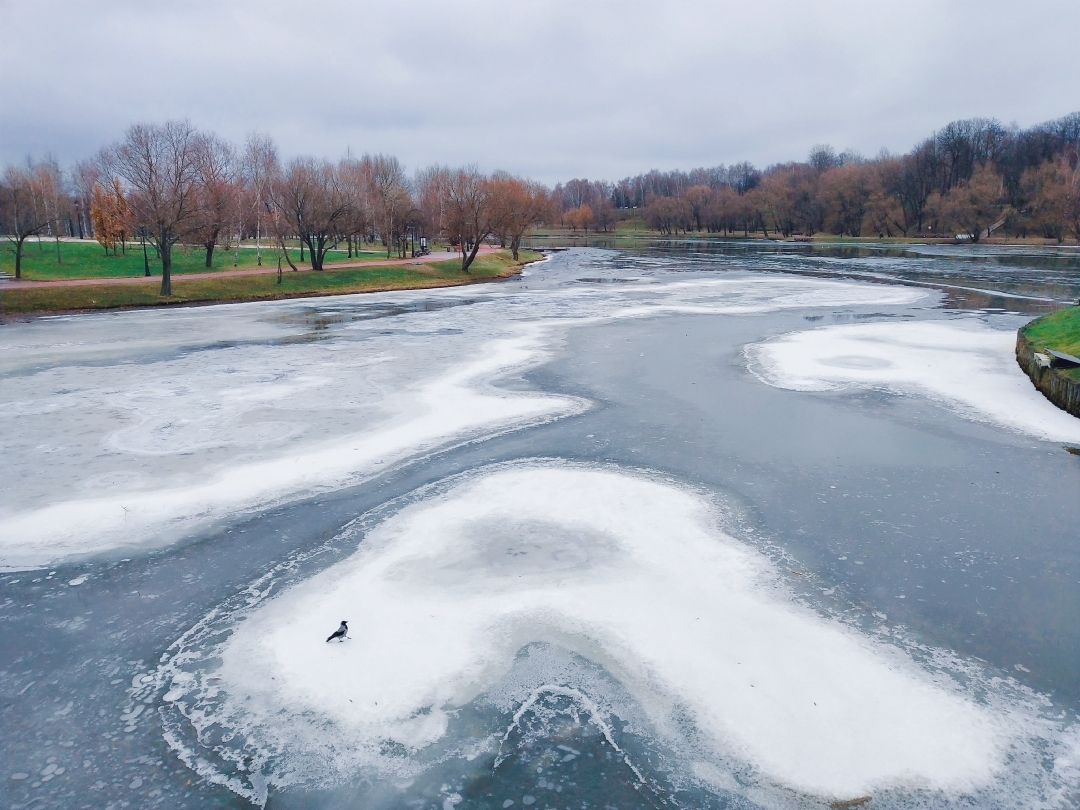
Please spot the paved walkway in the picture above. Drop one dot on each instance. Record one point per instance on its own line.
(441, 256)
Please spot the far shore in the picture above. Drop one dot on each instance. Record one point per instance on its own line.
(568, 238)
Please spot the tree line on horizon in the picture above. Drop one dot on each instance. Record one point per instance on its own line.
(170, 183)
(969, 179)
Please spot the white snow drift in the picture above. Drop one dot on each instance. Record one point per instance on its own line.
(452, 405)
(963, 364)
(627, 571)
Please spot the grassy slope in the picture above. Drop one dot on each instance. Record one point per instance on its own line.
(251, 288)
(88, 260)
(1059, 331)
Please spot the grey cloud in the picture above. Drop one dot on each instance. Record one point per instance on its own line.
(550, 89)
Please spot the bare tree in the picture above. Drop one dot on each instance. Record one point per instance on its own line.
(356, 179)
(53, 198)
(430, 187)
(218, 191)
(23, 209)
(160, 165)
(846, 191)
(972, 206)
(315, 204)
(699, 197)
(260, 168)
(84, 176)
(823, 157)
(520, 204)
(390, 197)
(472, 212)
(1050, 193)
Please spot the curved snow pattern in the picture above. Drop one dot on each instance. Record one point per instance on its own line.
(628, 571)
(963, 364)
(134, 429)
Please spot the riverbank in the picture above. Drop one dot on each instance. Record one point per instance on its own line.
(633, 231)
(1059, 331)
(230, 287)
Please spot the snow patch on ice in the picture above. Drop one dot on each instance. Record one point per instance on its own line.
(626, 571)
(455, 405)
(963, 364)
(222, 416)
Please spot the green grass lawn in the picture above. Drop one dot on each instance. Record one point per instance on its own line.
(259, 287)
(1059, 331)
(88, 260)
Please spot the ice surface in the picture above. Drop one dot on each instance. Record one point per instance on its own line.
(451, 405)
(628, 571)
(963, 364)
(135, 429)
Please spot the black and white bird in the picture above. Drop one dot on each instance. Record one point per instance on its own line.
(341, 632)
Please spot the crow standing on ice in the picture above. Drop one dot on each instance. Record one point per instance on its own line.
(341, 632)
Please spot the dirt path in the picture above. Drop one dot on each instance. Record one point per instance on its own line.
(442, 256)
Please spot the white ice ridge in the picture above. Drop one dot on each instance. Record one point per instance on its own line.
(628, 572)
(963, 364)
(454, 405)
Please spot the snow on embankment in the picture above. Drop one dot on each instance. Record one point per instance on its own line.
(963, 364)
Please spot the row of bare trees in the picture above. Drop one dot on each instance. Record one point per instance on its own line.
(167, 184)
(971, 178)
(33, 200)
(170, 183)
(859, 199)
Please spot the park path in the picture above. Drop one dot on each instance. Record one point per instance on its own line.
(440, 256)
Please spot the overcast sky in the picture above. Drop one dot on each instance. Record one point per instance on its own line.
(552, 90)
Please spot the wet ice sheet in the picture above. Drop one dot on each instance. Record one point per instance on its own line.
(628, 571)
(964, 364)
(127, 432)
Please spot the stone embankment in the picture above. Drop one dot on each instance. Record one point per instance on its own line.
(1056, 387)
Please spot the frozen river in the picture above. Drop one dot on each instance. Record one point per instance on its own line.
(705, 525)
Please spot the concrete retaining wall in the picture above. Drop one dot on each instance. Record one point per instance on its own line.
(1056, 387)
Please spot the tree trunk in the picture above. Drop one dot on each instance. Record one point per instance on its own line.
(58, 259)
(18, 256)
(210, 244)
(165, 249)
(515, 245)
(467, 258)
(145, 258)
(278, 269)
(316, 253)
(301, 249)
(285, 250)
